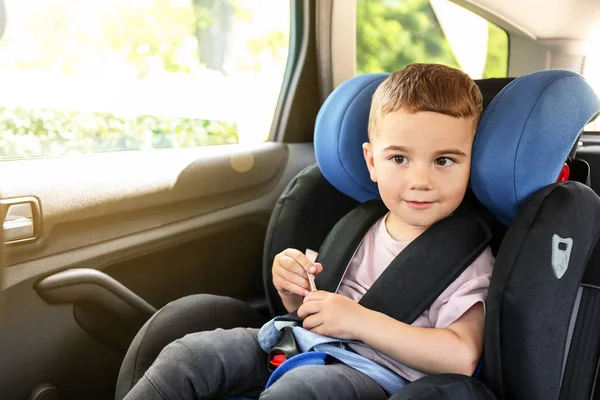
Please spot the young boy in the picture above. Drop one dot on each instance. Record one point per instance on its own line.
(421, 129)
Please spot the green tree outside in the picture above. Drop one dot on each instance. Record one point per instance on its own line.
(392, 34)
(496, 63)
(26, 133)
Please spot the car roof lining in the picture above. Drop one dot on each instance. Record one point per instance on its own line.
(575, 20)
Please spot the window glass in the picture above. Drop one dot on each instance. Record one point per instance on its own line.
(91, 76)
(392, 34)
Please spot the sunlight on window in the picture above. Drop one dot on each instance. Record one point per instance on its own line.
(467, 35)
(80, 76)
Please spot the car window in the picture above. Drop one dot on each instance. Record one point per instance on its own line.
(94, 76)
(393, 34)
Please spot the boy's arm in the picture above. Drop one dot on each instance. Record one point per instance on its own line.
(456, 349)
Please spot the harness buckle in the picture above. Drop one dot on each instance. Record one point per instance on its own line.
(284, 349)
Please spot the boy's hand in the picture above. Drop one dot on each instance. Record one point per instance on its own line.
(289, 272)
(331, 314)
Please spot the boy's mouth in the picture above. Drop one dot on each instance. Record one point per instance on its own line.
(419, 205)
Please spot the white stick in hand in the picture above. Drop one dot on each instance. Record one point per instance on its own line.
(312, 256)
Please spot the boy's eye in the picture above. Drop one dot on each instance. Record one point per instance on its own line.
(399, 159)
(444, 161)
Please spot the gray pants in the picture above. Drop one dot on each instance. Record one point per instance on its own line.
(230, 363)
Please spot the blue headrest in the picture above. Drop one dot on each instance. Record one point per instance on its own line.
(523, 139)
(525, 136)
(340, 130)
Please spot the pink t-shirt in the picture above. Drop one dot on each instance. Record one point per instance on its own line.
(376, 252)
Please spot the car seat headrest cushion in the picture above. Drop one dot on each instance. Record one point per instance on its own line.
(525, 136)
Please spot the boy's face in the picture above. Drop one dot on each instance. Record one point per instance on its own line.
(421, 163)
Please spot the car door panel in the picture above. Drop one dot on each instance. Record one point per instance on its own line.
(118, 194)
(179, 224)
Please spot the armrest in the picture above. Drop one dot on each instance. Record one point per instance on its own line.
(84, 284)
(103, 307)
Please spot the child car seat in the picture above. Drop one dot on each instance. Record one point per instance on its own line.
(304, 214)
(542, 325)
(542, 329)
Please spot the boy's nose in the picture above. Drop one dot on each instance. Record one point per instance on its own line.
(419, 181)
(420, 185)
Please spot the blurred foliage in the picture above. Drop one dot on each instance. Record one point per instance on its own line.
(392, 34)
(158, 32)
(496, 63)
(33, 132)
(273, 42)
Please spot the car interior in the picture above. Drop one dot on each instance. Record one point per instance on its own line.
(102, 234)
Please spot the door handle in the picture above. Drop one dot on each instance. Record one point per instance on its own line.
(22, 220)
(19, 228)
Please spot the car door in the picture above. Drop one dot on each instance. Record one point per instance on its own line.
(143, 147)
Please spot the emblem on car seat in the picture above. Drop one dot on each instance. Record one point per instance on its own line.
(561, 253)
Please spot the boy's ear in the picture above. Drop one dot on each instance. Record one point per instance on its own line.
(368, 153)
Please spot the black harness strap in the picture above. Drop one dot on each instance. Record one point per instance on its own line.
(419, 274)
(342, 242)
(426, 267)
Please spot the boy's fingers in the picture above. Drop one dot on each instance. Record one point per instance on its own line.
(291, 277)
(318, 268)
(291, 287)
(289, 264)
(300, 258)
(316, 295)
(307, 309)
(292, 265)
(312, 321)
